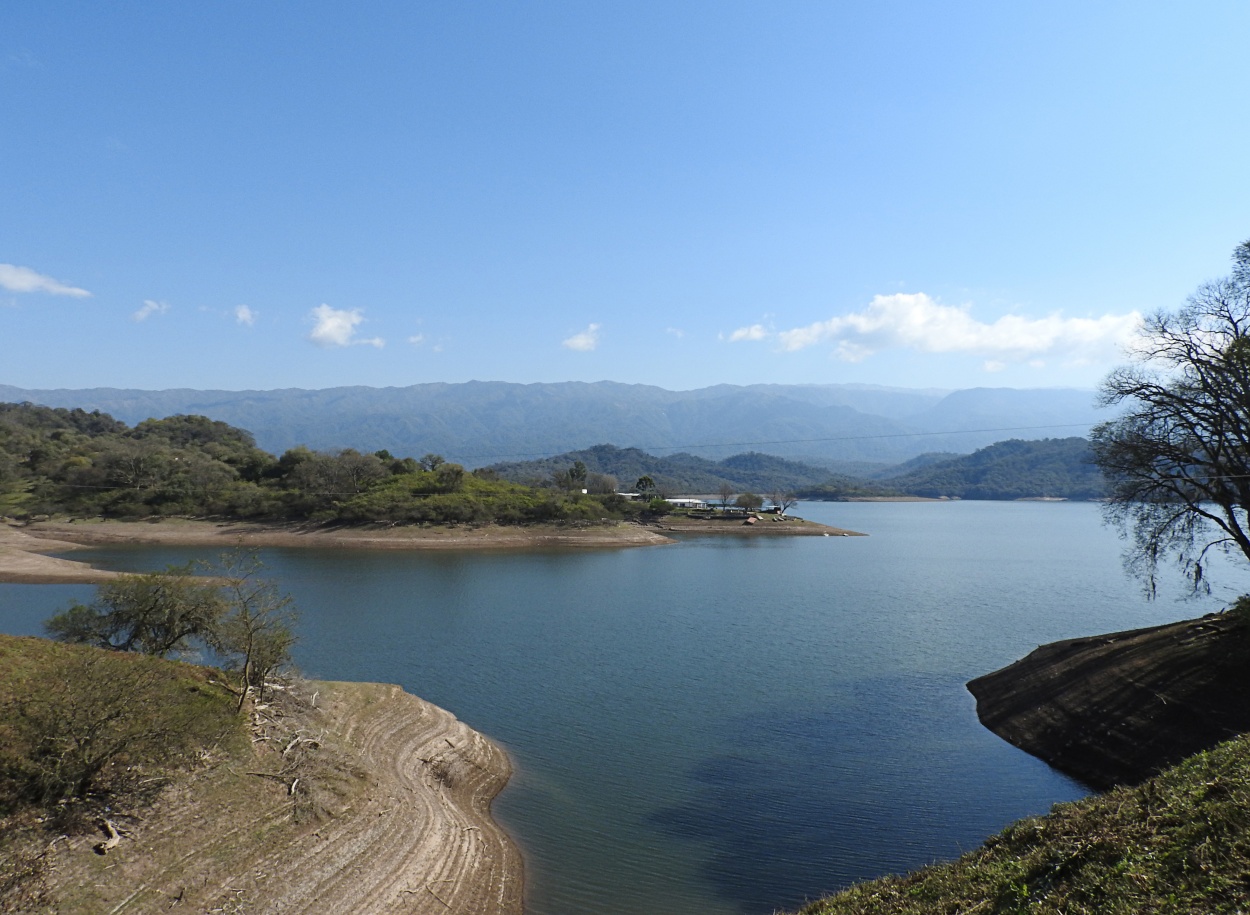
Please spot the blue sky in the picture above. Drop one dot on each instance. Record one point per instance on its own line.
(234, 195)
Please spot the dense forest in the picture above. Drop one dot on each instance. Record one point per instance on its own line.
(1060, 468)
(55, 460)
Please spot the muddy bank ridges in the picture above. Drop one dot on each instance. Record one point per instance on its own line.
(407, 827)
(423, 841)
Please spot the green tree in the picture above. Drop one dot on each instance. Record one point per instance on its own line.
(450, 477)
(644, 485)
(154, 613)
(1177, 461)
(431, 461)
(750, 501)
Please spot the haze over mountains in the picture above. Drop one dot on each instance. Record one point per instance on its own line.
(479, 423)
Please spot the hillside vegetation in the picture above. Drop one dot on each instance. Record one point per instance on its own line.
(55, 460)
(677, 474)
(1178, 843)
(1048, 468)
(86, 734)
(71, 461)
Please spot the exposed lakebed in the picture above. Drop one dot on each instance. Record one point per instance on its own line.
(726, 725)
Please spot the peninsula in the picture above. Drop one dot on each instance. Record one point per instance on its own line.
(24, 547)
(326, 798)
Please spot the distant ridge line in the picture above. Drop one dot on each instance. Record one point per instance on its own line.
(480, 422)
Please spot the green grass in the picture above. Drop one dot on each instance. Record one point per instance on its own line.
(1177, 843)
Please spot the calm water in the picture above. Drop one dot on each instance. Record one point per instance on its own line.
(724, 726)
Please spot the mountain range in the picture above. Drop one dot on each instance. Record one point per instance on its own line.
(1014, 469)
(476, 423)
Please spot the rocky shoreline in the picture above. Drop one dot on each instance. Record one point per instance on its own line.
(1114, 709)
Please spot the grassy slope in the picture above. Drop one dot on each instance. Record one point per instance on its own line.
(156, 716)
(1176, 843)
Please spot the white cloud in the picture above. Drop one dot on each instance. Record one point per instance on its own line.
(917, 322)
(754, 332)
(417, 339)
(586, 341)
(337, 327)
(23, 279)
(150, 308)
(245, 315)
(676, 332)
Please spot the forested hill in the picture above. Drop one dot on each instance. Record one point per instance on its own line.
(89, 464)
(1048, 468)
(685, 474)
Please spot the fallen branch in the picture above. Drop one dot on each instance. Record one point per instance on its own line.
(114, 838)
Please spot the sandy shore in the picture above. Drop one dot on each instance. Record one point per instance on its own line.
(22, 546)
(22, 560)
(409, 829)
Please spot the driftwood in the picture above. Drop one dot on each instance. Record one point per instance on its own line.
(114, 838)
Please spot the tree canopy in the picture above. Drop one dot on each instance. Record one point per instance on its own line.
(1177, 461)
(78, 463)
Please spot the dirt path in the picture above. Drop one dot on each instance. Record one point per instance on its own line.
(404, 789)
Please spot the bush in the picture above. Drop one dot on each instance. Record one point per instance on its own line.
(89, 727)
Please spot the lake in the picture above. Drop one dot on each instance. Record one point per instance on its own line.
(725, 726)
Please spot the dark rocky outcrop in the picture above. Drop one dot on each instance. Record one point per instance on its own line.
(1114, 709)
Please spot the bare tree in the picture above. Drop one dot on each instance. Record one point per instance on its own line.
(257, 632)
(782, 501)
(726, 493)
(602, 484)
(1177, 461)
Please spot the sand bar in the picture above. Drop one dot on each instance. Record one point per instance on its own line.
(22, 560)
(23, 545)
